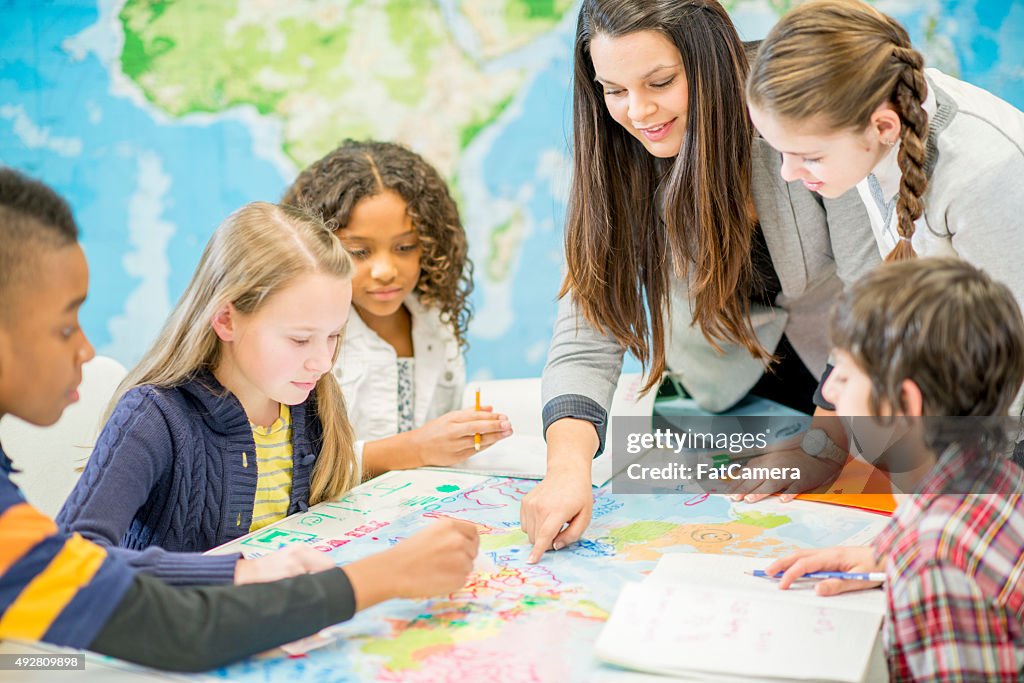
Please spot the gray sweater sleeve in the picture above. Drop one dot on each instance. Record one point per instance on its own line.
(581, 373)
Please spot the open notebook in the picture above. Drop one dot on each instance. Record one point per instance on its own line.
(524, 454)
(703, 616)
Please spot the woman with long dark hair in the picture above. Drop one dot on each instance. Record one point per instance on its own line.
(683, 245)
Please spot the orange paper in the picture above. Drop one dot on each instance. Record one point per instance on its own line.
(849, 489)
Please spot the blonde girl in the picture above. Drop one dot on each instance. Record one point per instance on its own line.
(401, 366)
(232, 420)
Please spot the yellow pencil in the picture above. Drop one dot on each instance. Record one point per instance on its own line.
(476, 437)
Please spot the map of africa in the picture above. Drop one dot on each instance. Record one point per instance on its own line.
(158, 118)
(513, 621)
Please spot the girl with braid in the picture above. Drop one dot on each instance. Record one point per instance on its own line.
(401, 366)
(840, 91)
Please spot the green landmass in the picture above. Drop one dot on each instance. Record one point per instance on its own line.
(765, 520)
(639, 532)
(475, 127)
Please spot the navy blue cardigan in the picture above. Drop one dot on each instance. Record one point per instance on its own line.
(168, 474)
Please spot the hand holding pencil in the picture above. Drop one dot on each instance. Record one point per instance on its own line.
(859, 560)
(458, 435)
(476, 436)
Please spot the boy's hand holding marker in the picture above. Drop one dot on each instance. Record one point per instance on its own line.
(840, 559)
(435, 561)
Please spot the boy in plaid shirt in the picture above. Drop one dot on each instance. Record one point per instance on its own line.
(936, 337)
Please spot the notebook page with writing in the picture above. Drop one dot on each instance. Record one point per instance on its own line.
(690, 630)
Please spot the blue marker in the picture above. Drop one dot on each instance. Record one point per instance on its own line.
(852, 576)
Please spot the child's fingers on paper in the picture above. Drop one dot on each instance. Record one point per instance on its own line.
(838, 586)
(821, 560)
(316, 561)
(784, 563)
(802, 566)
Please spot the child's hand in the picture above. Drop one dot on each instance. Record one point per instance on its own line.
(449, 439)
(289, 561)
(435, 561)
(838, 559)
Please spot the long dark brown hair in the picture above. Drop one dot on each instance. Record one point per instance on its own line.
(839, 60)
(332, 186)
(634, 219)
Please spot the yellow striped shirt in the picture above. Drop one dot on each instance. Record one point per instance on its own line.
(274, 469)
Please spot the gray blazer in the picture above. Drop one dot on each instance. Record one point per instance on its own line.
(804, 234)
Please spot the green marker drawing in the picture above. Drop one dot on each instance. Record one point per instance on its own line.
(447, 488)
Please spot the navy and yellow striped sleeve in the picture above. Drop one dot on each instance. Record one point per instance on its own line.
(54, 587)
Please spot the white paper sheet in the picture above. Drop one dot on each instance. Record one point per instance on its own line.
(674, 628)
(704, 616)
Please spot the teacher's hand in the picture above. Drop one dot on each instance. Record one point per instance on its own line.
(557, 511)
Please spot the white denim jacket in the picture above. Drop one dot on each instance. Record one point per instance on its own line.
(367, 370)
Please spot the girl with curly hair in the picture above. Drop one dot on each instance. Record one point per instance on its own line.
(401, 366)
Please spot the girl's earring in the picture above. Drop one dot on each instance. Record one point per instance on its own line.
(889, 143)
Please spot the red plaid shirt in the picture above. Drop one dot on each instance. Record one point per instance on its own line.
(954, 565)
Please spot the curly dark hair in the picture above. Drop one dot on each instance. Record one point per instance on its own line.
(332, 186)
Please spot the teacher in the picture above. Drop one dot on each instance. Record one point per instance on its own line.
(683, 245)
